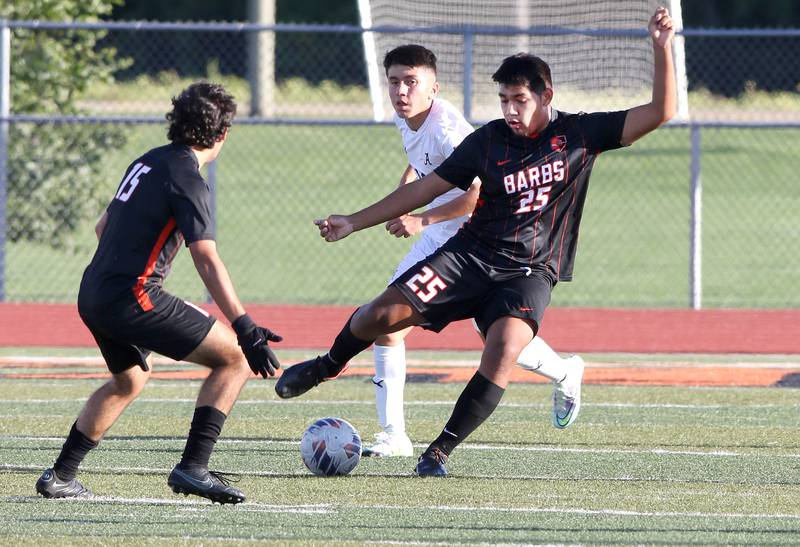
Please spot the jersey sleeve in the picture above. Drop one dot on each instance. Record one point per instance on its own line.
(190, 201)
(462, 166)
(603, 130)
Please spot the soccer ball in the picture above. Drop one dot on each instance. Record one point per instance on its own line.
(330, 446)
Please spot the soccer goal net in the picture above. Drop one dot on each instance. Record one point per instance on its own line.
(594, 64)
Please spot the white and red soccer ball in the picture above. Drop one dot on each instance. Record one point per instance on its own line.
(330, 446)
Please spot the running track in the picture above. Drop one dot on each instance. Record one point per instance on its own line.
(565, 329)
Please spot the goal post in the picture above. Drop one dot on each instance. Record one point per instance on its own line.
(594, 67)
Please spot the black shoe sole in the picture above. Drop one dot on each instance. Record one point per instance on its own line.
(222, 499)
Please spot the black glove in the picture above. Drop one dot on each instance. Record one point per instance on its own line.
(253, 340)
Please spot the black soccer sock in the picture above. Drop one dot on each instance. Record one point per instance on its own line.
(74, 450)
(345, 347)
(206, 426)
(474, 405)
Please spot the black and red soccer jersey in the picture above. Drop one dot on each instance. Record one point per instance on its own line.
(161, 202)
(533, 188)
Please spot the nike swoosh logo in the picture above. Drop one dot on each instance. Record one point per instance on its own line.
(200, 484)
(502, 162)
(450, 433)
(565, 418)
(379, 383)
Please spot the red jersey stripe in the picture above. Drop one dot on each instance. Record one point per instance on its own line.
(138, 289)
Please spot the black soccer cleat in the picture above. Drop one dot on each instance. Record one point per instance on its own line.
(204, 483)
(301, 377)
(431, 464)
(50, 486)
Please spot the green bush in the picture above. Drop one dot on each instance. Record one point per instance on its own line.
(53, 170)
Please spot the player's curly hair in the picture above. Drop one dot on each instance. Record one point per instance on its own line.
(524, 69)
(410, 55)
(200, 115)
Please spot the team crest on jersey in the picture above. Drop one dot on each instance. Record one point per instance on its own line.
(558, 143)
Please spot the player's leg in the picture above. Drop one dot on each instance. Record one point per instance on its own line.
(389, 312)
(389, 353)
(566, 375)
(220, 352)
(130, 369)
(504, 341)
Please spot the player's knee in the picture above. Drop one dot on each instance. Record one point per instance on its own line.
(235, 361)
(502, 351)
(130, 383)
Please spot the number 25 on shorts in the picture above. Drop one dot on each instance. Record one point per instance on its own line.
(426, 284)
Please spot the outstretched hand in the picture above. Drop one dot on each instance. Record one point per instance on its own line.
(661, 27)
(334, 228)
(405, 226)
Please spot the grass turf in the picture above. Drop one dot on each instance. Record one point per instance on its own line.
(671, 465)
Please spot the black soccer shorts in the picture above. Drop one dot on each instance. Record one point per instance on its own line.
(126, 334)
(454, 284)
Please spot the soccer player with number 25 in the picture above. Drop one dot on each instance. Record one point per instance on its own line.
(500, 268)
(431, 128)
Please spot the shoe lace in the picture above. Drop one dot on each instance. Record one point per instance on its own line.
(437, 455)
(225, 478)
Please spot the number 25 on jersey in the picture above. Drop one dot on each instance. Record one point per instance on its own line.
(533, 184)
(431, 284)
(130, 183)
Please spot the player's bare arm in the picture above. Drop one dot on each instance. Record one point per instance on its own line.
(216, 278)
(645, 118)
(252, 338)
(406, 198)
(409, 225)
(101, 225)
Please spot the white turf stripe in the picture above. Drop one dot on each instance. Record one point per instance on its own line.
(326, 508)
(186, 400)
(383, 475)
(261, 507)
(602, 512)
(464, 446)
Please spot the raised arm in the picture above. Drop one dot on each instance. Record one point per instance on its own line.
(406, 198)
(647, 117)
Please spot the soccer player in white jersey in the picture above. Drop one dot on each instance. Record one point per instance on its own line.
(431, 128)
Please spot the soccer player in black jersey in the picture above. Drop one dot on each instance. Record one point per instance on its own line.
(500, 268)
(161, 203)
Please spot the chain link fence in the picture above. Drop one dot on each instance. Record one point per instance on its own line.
(701, 213)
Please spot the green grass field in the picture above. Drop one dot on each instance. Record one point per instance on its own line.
(642, 465)
(633, 250)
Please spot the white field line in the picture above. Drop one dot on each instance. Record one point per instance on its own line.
(186, 400)
(464, 446)
(261, 507)
(328, 508)
(438, 363)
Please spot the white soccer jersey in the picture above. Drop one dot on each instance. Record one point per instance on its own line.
(427, 147)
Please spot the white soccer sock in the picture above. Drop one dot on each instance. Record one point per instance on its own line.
(540, 358)
(390, 380)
